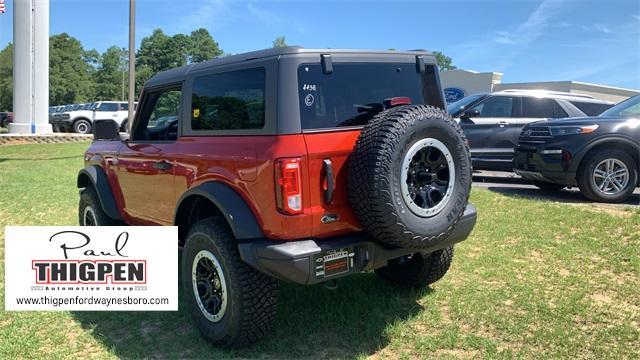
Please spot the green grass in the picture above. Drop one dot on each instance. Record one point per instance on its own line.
(536, 279)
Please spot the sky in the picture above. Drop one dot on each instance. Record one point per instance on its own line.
(526, 40)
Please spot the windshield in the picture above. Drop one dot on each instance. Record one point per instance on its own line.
(457, 107)
(355, 92)
(627, 108)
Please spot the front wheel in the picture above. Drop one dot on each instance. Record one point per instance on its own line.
(608, 176)
(90, 211)
(418, 269)
(82, 127)
(231, 303)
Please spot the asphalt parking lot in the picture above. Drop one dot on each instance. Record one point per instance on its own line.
(510, 184)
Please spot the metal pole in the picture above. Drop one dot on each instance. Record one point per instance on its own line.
(122, 68)
(22, 75)
(41, 67)
(132, 59)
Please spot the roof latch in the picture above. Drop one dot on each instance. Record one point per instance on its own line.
(327, 64)
(420, 67)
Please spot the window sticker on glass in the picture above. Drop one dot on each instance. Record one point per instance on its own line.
(309, 87)
(309, 99)
(196, 113)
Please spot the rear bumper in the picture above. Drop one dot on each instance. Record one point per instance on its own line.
(312, 261)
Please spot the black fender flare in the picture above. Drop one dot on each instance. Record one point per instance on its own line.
(96, 176)
(580, 156)
(232, 206)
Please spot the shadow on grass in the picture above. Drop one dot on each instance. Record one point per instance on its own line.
(312, 322)
(42, 158)
(568, 196)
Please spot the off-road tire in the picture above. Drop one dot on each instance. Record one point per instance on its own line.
(419, 270)
(547, 186)
(251, 295)
(375, 175)
(90, 202)
(82, 127)
(585, 172)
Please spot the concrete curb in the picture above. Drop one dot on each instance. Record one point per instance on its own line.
(16, 139)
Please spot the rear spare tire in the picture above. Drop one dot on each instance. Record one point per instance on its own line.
(410, 176)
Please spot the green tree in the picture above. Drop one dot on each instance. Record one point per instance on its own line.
(444, 62)
(159, 52)
(202, 47)
(6, 78)
(279, 42)
(109, 74)
(70, 78)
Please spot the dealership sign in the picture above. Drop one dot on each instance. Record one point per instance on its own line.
(453, 94)
(91, 268)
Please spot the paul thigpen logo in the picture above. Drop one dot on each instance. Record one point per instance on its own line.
(99, 266)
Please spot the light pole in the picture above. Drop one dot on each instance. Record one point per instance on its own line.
(132, 59)
(31, 67)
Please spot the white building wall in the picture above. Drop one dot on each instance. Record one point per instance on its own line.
(471, 82)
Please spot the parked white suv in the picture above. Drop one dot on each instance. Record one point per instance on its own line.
(80, 121)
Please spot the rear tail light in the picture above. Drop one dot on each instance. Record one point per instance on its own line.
(395, 101)
(289, 186)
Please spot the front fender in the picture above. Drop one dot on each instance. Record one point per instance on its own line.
(239, 216)
(95, 176)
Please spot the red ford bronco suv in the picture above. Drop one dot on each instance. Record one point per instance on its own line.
(288, 164)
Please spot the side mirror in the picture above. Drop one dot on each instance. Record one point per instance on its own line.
(467, 115)
(106, 129)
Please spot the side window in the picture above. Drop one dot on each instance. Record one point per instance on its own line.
(496, 106)
(108, 107)
(159, 116)
(591, 109)
(229, 101)
(541, 108)
(124, 107)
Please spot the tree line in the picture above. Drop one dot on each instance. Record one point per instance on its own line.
(77, 75)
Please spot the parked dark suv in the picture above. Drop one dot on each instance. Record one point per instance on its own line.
(601, 154)
(290, 164)
(492, 121)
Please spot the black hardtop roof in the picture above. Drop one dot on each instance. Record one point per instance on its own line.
(172, 75)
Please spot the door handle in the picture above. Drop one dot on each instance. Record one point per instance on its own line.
(503, 123)
(162, 165)
(331, 186)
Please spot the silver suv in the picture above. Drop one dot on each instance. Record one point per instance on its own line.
(492, 121)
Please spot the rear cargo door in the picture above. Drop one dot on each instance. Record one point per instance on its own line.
(328, 153)
(334, 105)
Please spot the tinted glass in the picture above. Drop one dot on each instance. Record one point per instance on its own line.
(354, 93)
(541, 108)
(627, 108)
(124, 107)
(229, 101)
(459, 106)
(591, 109)
(159, 118)
(495, 106)
(108, 107)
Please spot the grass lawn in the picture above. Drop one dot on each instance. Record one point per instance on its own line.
(536, 279)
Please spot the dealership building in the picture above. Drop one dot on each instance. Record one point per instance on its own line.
(460, 83)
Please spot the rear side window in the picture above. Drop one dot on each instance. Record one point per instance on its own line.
(541, 108)
(229, 101)
(591, 109)
(355, 92)
(108, 107)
